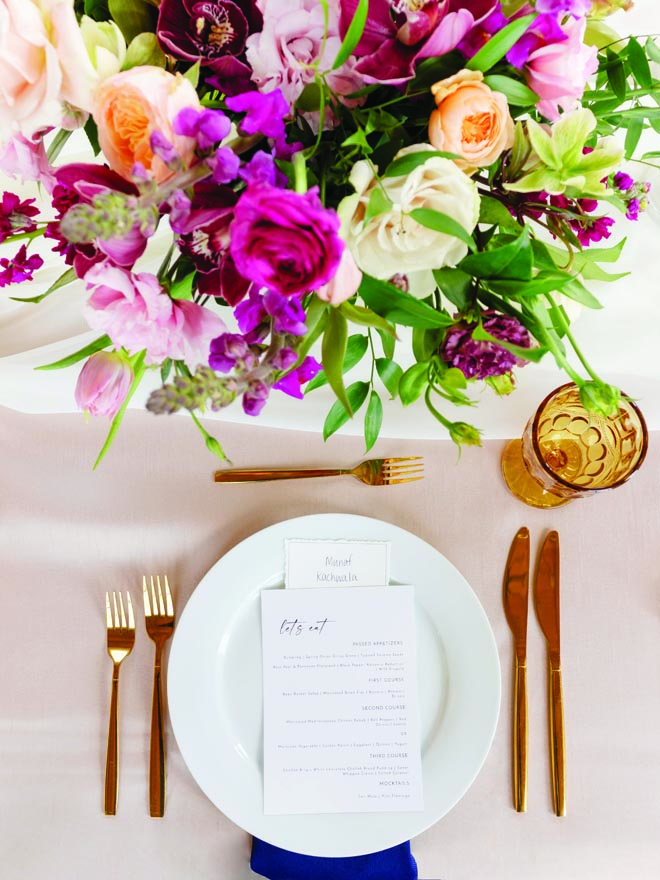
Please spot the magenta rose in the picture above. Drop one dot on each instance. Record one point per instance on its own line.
(285, 241)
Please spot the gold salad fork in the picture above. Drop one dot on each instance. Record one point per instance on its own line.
(159, 621)
(373, 472)
(121, 638)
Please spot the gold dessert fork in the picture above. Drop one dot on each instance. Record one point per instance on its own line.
(121, 638)
(373, 472)
(159, 621)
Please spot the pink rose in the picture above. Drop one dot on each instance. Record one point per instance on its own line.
(345, 282)
(471, 120)
(284, 53)
(43, 64)
(558, 72)
(137, 314)
(130, 106)
(103, 384)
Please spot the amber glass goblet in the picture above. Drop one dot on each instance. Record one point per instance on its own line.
(567, 452)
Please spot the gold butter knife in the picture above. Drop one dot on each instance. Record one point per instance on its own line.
(516, 592)
(546, 602)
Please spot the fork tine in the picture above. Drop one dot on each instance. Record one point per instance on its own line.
(405, 480)
(395, 460)
(116, 614)
(413, 466)
(108, 611)
(145, 597)
(161, 601)
(402, 471)
(122, 613)
(131, 618)
(169, 605)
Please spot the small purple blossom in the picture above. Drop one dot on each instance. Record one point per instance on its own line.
(228, 351)
(481, 359)
(262, 169)
(284, 359)
(16, 215)
(287, 313)
(251, 313)
(593, 229)
(292, 383)
(576, 8)
(545, 29)
(225, 164)
(264, 112)
(165, 151)
(255, 397)
(20, 268)
(622, 181)
(207, 127)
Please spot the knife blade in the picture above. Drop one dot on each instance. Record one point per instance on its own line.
(516, 592)
(546, 603)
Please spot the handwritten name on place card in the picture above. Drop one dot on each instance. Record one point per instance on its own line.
(341, 723)
(311, 563)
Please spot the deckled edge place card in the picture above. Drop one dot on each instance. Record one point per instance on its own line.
(341, 722)
(312, 563)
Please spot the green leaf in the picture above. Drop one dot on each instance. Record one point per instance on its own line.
(639, 64)
(133, 17)
(388, 342)
(182, 289)
(633, 134)
(528, 354)
(139, 369)
(512, 261)
(413, 382)
(373, 420)
(616, 75)
(339, 415)
(516, 93)
(333, 350)
(57, 144)
(399, 306)
(493, 213)
(353, 34)
(356, 348)
(455, 285)
(366, 317)
(543, 282)
(192, 74)
(652, 50)
(497, 46)
(390, 374)
(97, 345)
(441, 222)
(379, 203)
(64, 279)
(405, 164)
(145, 50)
(97, 9)
(576, 291)
(92, 132)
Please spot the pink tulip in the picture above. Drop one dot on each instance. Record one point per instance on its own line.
(103, 384)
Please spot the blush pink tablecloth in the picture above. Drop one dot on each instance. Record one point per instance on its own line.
(68, 534)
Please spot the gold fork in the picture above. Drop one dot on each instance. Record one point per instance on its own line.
(159, 621)
(373, 472)
(121, 638)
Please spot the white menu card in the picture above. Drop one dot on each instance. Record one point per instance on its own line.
(341, 727)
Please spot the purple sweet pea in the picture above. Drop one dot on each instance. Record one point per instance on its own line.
(211, 32)
(228, 351)
(284, 240)
(480, 359)
(576, 8)
(255, 397)
(207, 127)
(292, 383)
(264, 113)
(287, 313)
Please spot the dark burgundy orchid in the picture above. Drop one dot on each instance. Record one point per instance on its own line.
(204, 237)
(80, 182)
(212, 32)
(400, 33)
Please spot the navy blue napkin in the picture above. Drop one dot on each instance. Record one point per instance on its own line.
(396, 863)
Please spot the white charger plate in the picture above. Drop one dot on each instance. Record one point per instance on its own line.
(215, 686)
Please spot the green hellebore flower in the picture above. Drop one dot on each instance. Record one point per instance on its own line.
(105, 45)
(600, 398)
(561, 166)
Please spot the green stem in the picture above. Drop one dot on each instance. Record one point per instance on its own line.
(567, 331)
(299, 173)
(139, 369)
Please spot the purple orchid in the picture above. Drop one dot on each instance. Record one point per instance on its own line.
(212, 32)
(399, 34)
(78, 183)
(204, 237)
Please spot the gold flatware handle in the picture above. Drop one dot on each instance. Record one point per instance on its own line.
(556, 718)
(520, 737)
(157, 748)
(253, 475)
(110, 790)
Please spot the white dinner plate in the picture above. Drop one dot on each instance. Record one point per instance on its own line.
(215, 686)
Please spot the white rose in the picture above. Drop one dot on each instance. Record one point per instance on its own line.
(392, 242)
(43, 65)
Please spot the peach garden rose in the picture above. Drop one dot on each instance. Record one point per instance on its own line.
(130, 106)
(471, 120)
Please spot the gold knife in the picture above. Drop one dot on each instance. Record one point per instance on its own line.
(546, 602)
(516, 591)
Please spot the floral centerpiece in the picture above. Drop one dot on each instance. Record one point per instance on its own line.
(329, 172)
